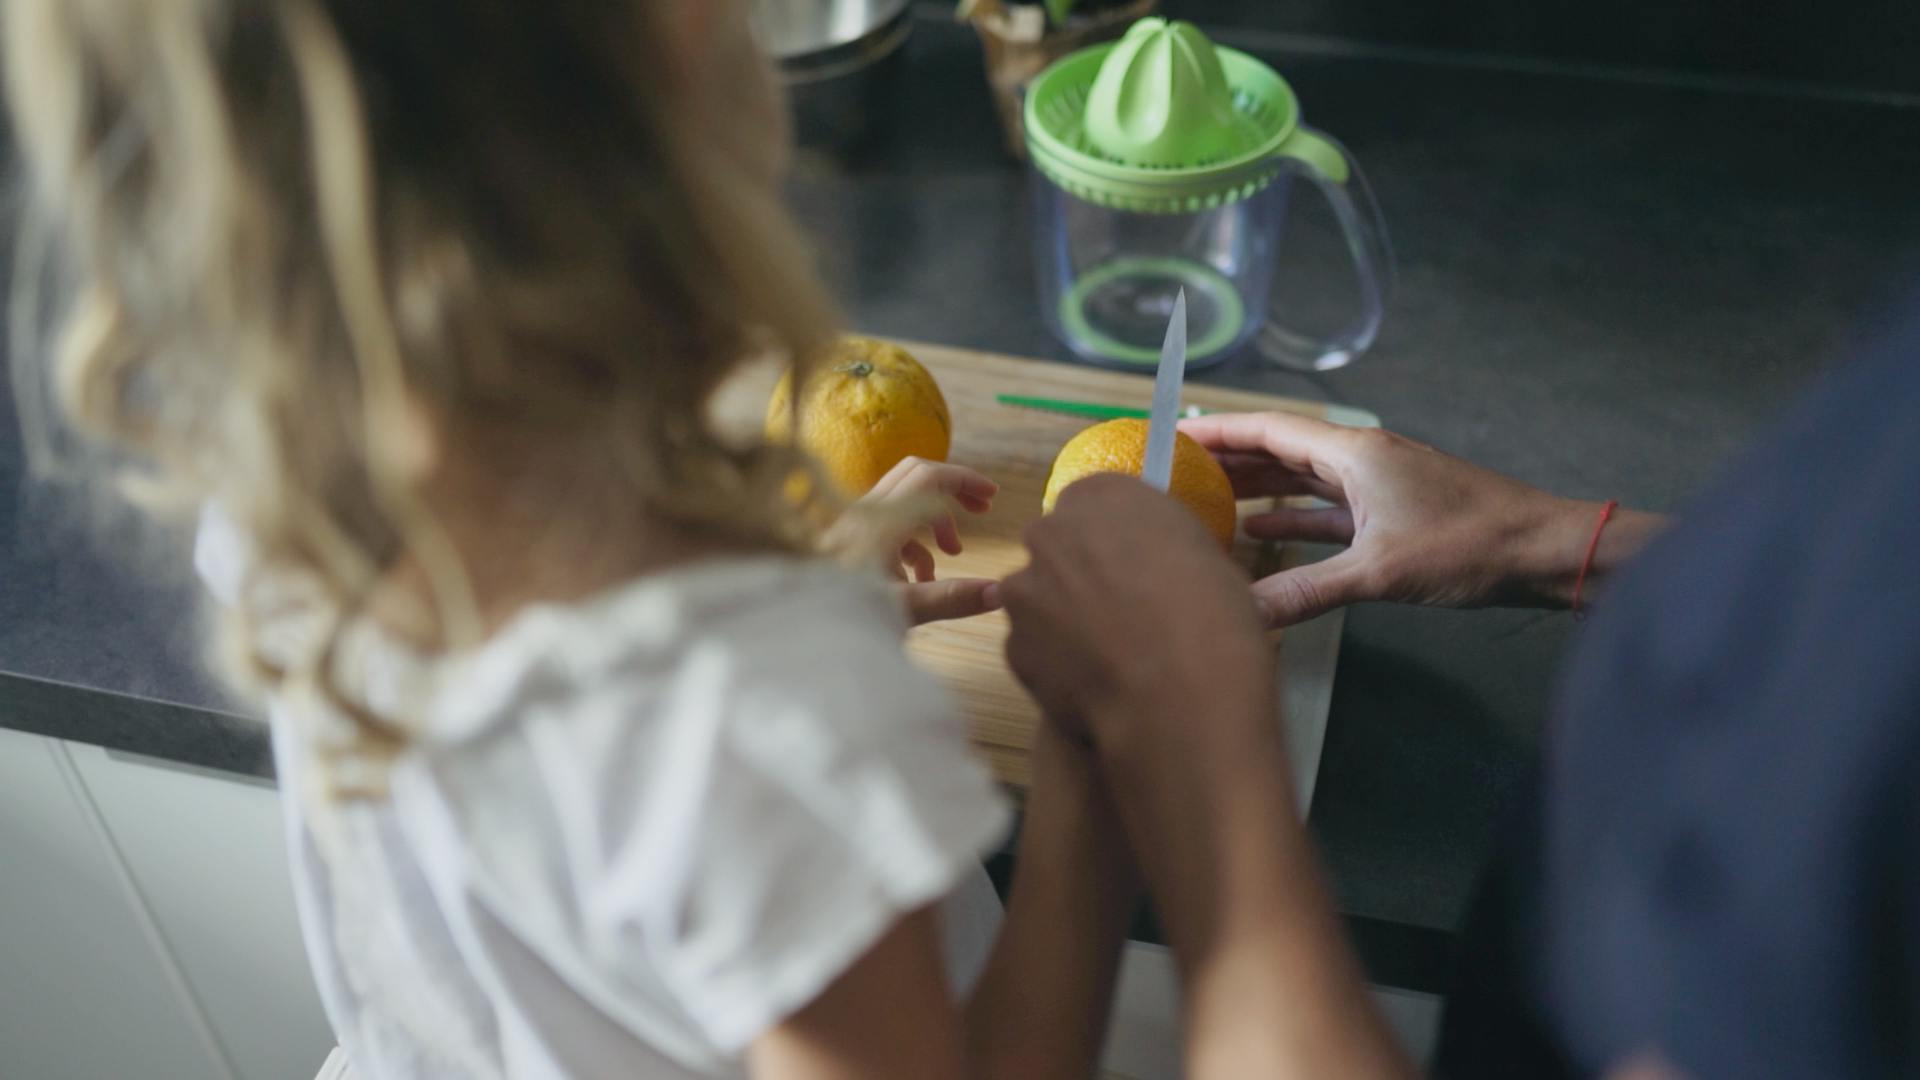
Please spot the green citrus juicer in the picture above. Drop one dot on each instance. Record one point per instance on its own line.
(1162, 162)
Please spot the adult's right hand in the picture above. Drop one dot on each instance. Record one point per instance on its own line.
(1133, 630)
(1129, 611)
(1421, 526)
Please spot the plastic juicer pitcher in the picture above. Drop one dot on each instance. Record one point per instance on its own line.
(1162, 162)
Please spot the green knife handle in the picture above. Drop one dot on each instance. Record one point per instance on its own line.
(1073, 408)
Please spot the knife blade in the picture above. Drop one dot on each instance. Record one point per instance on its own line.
(1157, 470)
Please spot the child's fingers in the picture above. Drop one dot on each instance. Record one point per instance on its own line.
(918, 476)
(946, 534)
(946, 478)
(954, 598)
(907, 476)
(918, 559)
(971, 488)
(892, 480)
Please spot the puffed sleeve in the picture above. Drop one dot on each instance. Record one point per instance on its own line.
(811, 790)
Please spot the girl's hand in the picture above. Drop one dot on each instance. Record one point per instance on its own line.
(1421, 526)
(942, 486)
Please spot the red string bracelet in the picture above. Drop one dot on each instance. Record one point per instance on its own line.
(1579, 583)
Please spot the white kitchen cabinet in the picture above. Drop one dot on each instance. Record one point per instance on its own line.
(84, 993)
(208, 854)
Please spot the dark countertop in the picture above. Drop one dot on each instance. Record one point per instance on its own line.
(1606, 288)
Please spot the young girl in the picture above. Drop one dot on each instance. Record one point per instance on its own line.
(592, 767)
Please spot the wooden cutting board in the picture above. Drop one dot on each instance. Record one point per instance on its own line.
(1016, 448)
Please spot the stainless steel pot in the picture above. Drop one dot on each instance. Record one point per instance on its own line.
(836, 57)
(808, 30)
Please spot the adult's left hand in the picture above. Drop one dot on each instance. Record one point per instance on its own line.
(1421, 526)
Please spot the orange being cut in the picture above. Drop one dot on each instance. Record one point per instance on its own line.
(862, 409)
(1120, 446)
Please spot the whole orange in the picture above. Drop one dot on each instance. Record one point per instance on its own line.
(862, 409)
(1120, 446)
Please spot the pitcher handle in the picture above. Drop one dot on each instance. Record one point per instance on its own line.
(1320, 158)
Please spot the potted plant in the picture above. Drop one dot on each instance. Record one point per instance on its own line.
(1021, 37)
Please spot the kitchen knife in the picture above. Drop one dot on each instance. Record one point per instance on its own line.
(1165, 416)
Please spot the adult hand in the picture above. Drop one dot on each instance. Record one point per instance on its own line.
(1129, 610)
(1131, 627)
(1422, 526)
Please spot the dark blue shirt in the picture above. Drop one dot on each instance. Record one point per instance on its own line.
(1722, 863)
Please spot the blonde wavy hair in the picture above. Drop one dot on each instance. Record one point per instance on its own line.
(293, 225)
